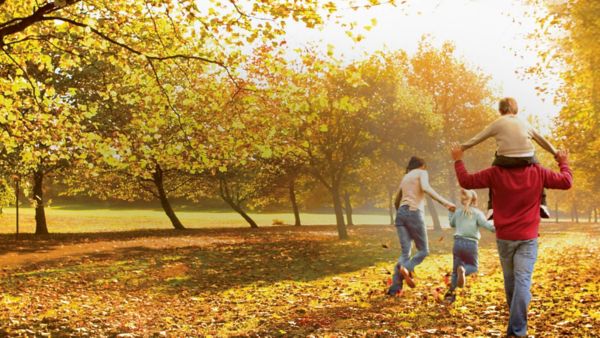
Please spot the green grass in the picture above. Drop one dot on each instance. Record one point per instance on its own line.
(62, 220)
(81, 219)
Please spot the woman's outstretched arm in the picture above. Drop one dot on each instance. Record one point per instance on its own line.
(429, 190)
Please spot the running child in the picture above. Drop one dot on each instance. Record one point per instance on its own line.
(466, 220)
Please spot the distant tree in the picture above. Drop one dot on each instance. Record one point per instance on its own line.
(463, 101)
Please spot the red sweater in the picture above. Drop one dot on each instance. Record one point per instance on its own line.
(517, 195)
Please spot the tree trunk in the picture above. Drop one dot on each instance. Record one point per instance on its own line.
(348, 207)
(294, 204)
(41, 227)
(240, 211)
(164, 201)
(556, 210)
(339, 212)
(391, 206)
(596, 215)
(434, 214)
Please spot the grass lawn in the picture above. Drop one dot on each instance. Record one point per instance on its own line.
(282, 281)
(63, 220)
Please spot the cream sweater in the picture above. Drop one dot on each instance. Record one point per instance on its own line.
(513, 137)
(414, 186)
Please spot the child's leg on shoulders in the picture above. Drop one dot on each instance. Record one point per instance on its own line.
(513, 162)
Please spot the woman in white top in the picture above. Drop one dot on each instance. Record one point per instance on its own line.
(410, 205)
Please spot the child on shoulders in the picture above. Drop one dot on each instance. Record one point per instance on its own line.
(515, 149)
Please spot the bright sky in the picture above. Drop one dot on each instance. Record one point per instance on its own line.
(483, 31)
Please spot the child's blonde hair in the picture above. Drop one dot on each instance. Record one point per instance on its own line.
(468, 198)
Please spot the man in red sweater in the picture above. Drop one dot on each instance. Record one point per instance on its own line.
(516, 207)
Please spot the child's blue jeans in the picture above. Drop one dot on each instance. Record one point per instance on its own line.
(465, 254)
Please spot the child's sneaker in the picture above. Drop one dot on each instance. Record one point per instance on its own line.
(544, 212)
(490, 214)
(398, 293)
(407, 277)
(462, 279)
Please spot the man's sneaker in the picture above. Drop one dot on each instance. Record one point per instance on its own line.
(490, 214)
(407, 277)
(460, 271)
(544, 212)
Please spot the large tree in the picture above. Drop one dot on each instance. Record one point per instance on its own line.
(571, 29)
(52, 37)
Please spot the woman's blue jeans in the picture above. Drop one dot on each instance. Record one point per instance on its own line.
(411, 228)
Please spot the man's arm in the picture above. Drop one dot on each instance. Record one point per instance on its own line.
(539, 139)
(562, 180)
(482, 136)
(478, 180)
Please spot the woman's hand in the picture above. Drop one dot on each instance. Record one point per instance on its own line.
(451, 207)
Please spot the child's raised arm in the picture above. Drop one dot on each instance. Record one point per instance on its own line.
(539, 139)
(483, 135)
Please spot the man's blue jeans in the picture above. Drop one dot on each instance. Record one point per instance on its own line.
(464, 253)
(410, 227)
(517, 259)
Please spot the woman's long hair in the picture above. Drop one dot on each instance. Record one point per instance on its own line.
(414, 163)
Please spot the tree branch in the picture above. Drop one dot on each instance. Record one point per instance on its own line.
(16, 25)
(137, 52)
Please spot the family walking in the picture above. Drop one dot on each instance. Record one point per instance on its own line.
(516, 183)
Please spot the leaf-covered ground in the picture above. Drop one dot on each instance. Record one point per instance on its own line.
(281, 282)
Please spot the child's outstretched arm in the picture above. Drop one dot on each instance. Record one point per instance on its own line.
(539, 139)
(483, 135)
(482, 222)
(452, 219)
